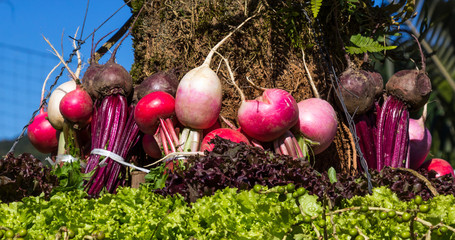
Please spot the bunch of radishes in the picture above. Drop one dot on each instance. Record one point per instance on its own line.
(275, 117)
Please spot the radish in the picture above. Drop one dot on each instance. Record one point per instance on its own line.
(40, 132)
(419, 141)
(42, 135)
(53, 108)
(154, 111)
(198, 98)
(226, 133)
(268, 116)
(440, 166)
(77, 107)
(317, 122)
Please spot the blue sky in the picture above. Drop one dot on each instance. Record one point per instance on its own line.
(25, 59)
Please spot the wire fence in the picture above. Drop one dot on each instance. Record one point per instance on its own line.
(21, 79)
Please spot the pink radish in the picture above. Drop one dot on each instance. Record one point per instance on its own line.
(198, 98)
(226, 133)
(268, 116)
(77, 106)
(419, 141)
(441, 166)
(42, 135)
(317, 122)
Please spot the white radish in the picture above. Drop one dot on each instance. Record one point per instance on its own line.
(55, 116)
(199, 96)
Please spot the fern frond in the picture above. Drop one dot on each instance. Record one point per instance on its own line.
(366, 44)
(315, 6)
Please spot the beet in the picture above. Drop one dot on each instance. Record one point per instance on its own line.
(411, 86)
(160, 81)
(358, 89)
(110, 79)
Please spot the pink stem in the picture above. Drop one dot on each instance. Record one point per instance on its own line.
(283, 149)
(290, 146)
(163, 140)
(168, 136)
(171, 129)
(297, 146)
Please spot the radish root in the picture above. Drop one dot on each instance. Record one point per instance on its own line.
(61, 59)
(310, 79)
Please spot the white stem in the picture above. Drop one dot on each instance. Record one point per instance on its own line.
(78, 54)
(208, 59)
(45, 81)
(61, 59)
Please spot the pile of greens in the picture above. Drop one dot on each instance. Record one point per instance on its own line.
(276, 213)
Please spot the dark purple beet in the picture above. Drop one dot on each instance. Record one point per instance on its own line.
(111, 78)
(411, 86)
(358, 90)
(160, 81)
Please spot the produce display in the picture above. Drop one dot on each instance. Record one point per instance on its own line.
(227, 151)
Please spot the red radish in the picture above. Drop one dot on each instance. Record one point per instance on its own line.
(150, 146)
(151, 108)
(154, 111)
(199, 95)
(317, 122)
(42, 135)
(77, 106)
(419, 141)
(40, 132)
(440, 166)
(226, 133)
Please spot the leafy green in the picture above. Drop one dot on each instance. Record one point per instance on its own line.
(70, 176)
(227, 214)
(366, 44)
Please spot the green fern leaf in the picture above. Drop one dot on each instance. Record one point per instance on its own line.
(315, 6)
(366, 44)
